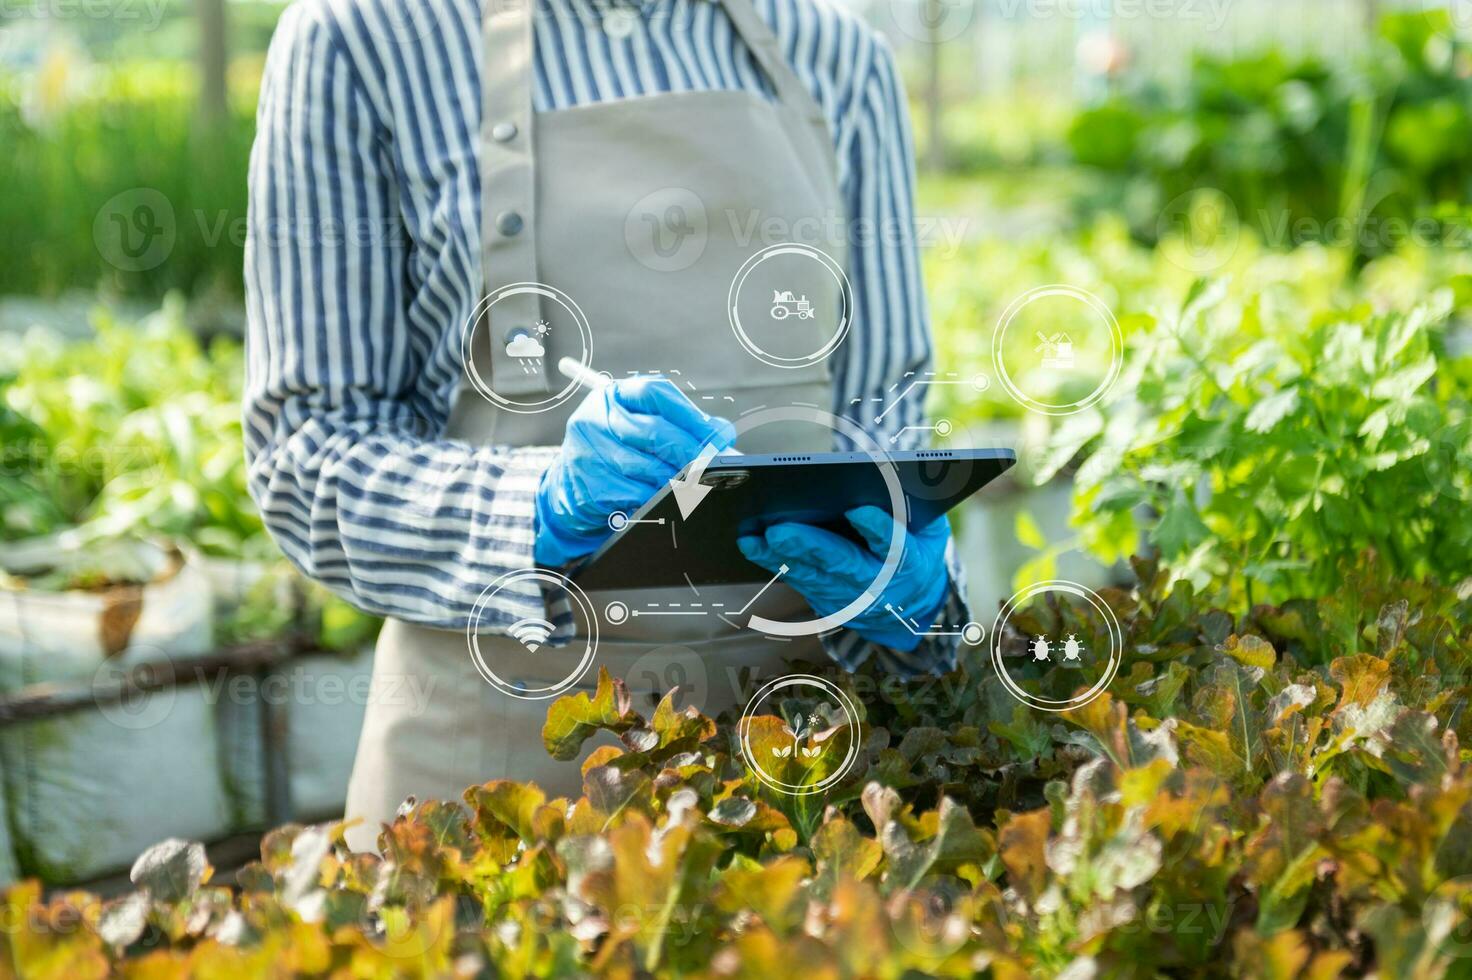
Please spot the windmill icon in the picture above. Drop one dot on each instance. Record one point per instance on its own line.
(1057, 351)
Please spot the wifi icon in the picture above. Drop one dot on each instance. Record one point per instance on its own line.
(531, 633)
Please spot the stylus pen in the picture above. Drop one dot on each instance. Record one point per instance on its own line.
(575, 370)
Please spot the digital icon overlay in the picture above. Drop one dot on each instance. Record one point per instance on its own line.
(534, 632)
(528, 346)
(800, 734)
(831, 318)
(541, 310)
(1049, 371)
(1028, 645)
(784, 305)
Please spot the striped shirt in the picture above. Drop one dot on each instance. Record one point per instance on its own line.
(363, 260)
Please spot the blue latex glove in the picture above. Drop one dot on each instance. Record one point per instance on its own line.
(830, 571)
(623, 443)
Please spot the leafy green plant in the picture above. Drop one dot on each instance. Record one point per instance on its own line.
(134, 431)
(1257, 447)
(1253, 796)
(972, 285)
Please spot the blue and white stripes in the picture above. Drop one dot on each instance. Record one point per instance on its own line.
(362, 263)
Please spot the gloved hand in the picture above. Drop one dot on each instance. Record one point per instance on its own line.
(624, 442)
(830, 571)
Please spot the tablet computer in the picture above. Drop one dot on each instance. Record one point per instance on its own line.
(663, 544)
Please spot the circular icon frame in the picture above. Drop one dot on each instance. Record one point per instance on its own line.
(1106, 316)
(541, 576)
(482, 311)
(846, 295)
(800, 680)
(1111, 624)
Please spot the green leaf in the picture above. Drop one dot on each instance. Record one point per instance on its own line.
(1029, 535)
(575, 718)
(1269, 411)
(1180, 528)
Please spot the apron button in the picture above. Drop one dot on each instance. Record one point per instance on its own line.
(503, 132)
(508, 223)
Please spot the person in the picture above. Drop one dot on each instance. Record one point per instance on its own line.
(415, 157)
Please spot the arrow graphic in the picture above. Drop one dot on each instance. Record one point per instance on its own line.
(689, 491)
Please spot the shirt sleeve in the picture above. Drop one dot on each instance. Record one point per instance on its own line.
(889, 346)
(346, 400)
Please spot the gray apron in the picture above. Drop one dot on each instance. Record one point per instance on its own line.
(643, 211)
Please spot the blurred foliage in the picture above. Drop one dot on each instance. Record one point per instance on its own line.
(135, 430)
(83, 143)
(1301, 151)
(1255, 796)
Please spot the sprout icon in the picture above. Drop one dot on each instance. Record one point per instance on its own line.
(1072, 648)
(805, 729)
(1040, 648)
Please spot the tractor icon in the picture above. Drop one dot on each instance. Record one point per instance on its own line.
(785, 304)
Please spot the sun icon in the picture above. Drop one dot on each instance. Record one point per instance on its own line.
(543, 328)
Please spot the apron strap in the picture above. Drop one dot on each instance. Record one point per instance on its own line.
(767, 50)
(508, 193)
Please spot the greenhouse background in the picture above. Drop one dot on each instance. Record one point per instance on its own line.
(1313, 152)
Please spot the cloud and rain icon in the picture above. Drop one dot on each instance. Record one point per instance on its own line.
(528, 347)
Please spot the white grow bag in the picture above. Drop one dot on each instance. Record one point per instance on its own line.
(89, 790)
(324, 697)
